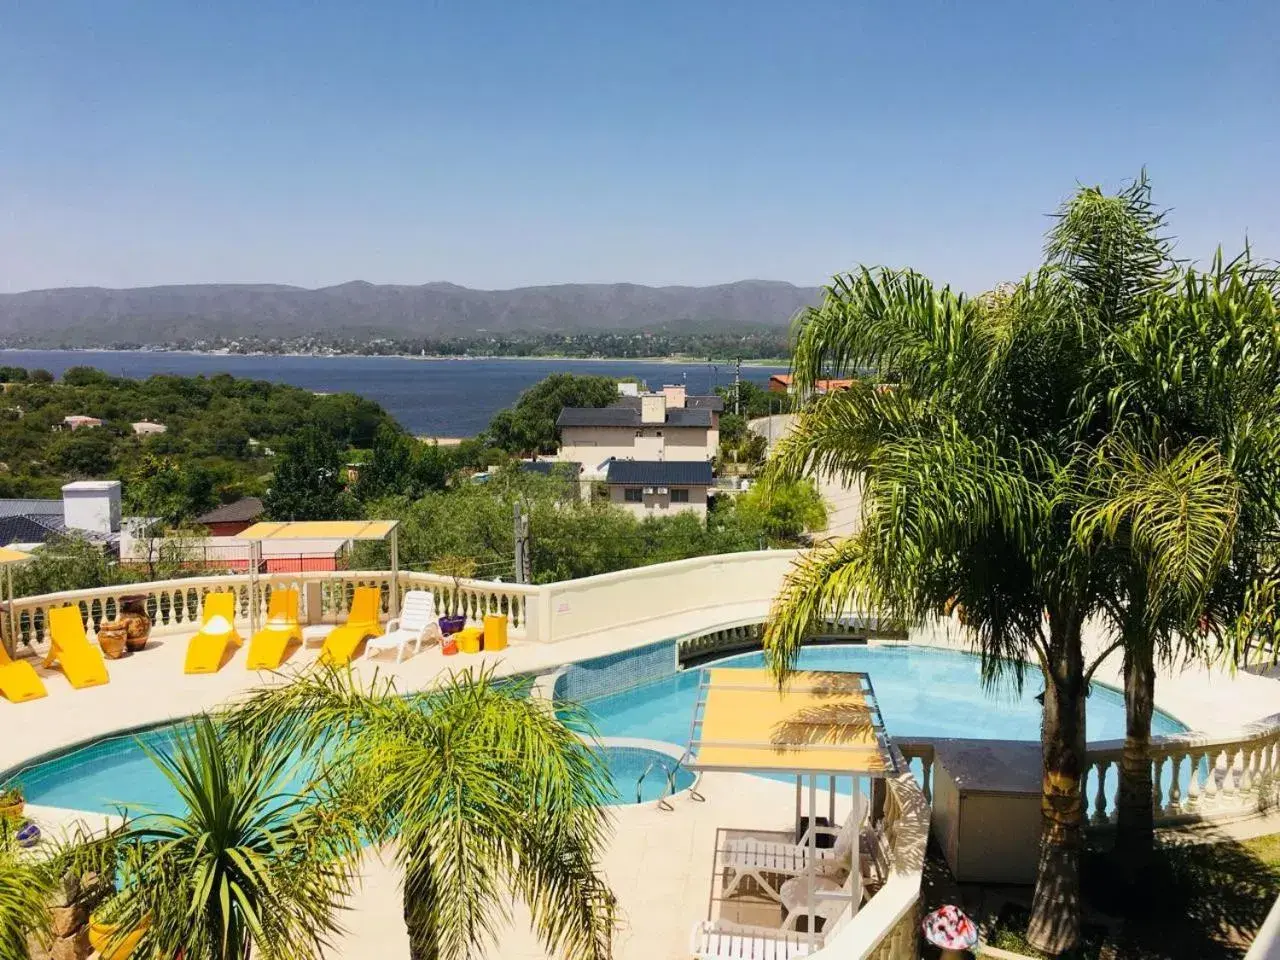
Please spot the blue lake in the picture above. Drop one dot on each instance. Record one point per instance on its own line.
(447, 398)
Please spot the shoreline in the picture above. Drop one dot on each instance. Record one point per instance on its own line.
(676, 359)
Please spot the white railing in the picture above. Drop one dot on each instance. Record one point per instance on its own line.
(701, 585)
(1266, 945)
(1194, 777)
(886, 928)
(177, 606)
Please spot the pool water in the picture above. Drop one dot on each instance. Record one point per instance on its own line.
(922, 693)
(111, 774)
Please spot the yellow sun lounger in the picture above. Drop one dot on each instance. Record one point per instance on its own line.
(18, 679)
(271, 644)
(69, 648)
(208, 648)
(362, 623)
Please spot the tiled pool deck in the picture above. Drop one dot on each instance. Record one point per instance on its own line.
(658, 861)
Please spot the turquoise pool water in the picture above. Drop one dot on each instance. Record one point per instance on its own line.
(111, 774)
(922, 693)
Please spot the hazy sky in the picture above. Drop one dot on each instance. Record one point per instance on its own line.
(694, 141)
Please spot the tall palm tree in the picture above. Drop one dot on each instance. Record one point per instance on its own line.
(1192, 385)
(980, 468)
(966, 465)
(484, 792)
(260, 861)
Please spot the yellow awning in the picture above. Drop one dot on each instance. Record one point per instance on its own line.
(13, 556)
(320, 530)
(820, 722)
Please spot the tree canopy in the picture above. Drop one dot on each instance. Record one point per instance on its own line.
(221, 424)
(529, 427)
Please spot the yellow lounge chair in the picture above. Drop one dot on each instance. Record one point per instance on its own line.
(208, 648)
(69, 648)
(19, 680)
(110, 945)
(362, 623)
(271, 644)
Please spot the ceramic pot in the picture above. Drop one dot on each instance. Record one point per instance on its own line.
(133, 614)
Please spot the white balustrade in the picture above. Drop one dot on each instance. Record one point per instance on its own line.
(177, 606)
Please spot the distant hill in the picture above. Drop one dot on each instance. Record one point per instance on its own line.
(95, 316)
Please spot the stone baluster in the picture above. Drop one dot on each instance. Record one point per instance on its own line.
(1210, 796)
(1100, 792)
(1194, 789)
(1174, 807)
(1230, 791)
(1157, 788)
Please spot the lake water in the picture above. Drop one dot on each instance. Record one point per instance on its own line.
(447, 398)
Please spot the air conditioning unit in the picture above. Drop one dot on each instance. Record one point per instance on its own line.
(649, 490)
(662, 490)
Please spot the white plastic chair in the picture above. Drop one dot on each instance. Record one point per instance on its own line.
(417, 615)
(762, 859)
(719, 940)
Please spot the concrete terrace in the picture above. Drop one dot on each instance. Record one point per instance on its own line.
(659, 862)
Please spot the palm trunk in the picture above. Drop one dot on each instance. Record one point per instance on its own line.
(1055, 910)
(1135, 824)
(420, 914)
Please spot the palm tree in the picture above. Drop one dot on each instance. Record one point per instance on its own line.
(966, 463)
(260, 861)
(484, 791)
(1005, 472)
(1192, 386)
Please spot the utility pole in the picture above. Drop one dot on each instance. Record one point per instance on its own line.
(523, 572)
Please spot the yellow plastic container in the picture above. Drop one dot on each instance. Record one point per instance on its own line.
(495, 632)
(469, 639)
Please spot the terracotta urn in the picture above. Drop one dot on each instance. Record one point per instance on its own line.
(133, 614)
(112, 635)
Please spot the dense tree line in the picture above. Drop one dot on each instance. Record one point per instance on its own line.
(224, 427)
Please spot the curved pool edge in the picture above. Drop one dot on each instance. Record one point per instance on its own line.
(544, 682)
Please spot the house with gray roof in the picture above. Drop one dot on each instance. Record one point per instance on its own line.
(661, 426)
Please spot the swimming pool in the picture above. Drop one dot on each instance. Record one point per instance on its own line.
(113, 773)
(922, 692)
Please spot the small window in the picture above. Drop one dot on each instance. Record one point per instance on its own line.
(633, 495)
(679, 495)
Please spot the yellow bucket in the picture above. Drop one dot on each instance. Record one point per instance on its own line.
(469, 639)
(495, 632)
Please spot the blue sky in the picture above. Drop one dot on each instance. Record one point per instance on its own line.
(504, 144)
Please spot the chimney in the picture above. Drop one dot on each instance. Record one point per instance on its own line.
(674, 394)
(653, 408)
(92, 506)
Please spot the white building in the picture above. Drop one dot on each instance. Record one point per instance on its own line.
(654, 488)
(651, 426)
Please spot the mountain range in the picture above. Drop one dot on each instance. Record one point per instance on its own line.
(97, 316)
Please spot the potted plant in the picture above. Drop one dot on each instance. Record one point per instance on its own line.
(459, 568)
(12, 801)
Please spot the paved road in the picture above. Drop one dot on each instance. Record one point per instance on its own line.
(844, 504)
